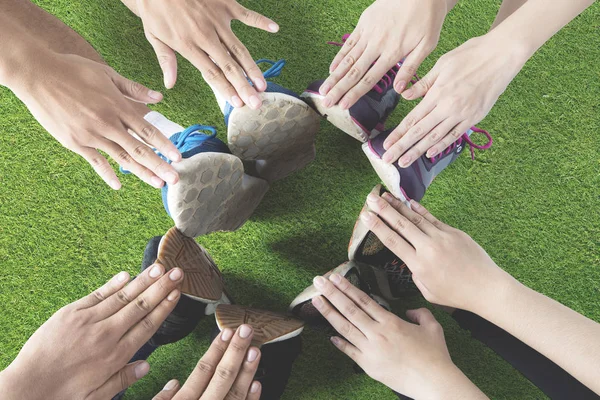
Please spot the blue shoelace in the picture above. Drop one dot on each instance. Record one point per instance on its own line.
(275, 70)
(188, 139)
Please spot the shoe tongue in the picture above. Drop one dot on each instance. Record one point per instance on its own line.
(160, 122)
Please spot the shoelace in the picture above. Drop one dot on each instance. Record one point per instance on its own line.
(188, 139)
(275, 70)
(388, 79)
(472, 145)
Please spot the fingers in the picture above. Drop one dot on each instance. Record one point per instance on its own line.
(370, 79)
(229, 367)
(121, 380)
(400, 218)
(126, 295)
(124, 159)
(390, 239)
(430, 139)
(167, 59)
(141, 309)
(343, 79)
(255, 20)
(101, 165)
(421, 88)
(349, 44)
(422, 316)
(241, 54)
(360, 298)
(135, 91)
(115, 284)
(154, 137)
(422, 211)
(235, 75)
(409, 67)
(344, 305)
(169, 391)
(346, 348)
(255, 391)
(242, 387)
(417, 114)
(452, 136)
(337, 320)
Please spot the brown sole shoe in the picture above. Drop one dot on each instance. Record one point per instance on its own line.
(269, 327)
(202, 279)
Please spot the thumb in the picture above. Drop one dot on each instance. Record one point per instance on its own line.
(135, 91)
(121, 380)
(166, 59)
(408, 70)
(422, 316)
(423, 86)
(254, 19)
(169, 391)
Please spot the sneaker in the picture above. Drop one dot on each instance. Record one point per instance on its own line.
(366, 118)
(189, 310)
(303, 308)
(280, 136)
(412, 182)
(279, 338)
(213, 192)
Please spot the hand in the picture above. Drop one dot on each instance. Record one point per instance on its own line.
(84, 105)
(448, 267)
(82, 351)
(200, 30)
(409, 358)
(461, 89)
(387, 32)
(225, 371)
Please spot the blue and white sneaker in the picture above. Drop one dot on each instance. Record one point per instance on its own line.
(213, 192)
(280, 136)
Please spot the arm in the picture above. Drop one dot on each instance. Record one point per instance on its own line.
(465, 83)
(452, 270)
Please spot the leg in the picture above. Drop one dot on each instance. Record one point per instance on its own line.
(59, 37)
(543, 373)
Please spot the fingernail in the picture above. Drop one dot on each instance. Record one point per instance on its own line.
(387, 157)
(317, 302)
(237, 102)
(408, 94)
(245, 331)
(260, 84)
(255, 102)
(366, 216)
(173, 295)
(400, 87)
(344, 104)
(114, 184)
(171, 177)
(326, 102)
(226, 335)
(174, 156)
(156, 182)
(273, 27)
(387, 196)
(155, 272)
(324, 89)
(141, 370)
(154, 95)
(255, 386)
(431, 153)
(175, 275)
(335, 340)
(172, 384)
(319, 281)
(415, 206)
(386, 145)
(122, 276)
(252, 354)
(372, 198)
(404, 161)
(336, 278)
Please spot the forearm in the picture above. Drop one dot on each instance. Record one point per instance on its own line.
(507, 8)
(132, 5)
(17, 53)
(536, 21)
(454, 384)
(567, 338)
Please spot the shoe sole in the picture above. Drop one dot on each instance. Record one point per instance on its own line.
(388, 173)
(360, 231)
(284, 125)
(341, 119)
(213, 194)
(202, 279)
(269, 327)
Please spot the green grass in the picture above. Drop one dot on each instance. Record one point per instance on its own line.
(532, 200)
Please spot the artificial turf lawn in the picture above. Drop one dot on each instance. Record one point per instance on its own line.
(531, 201)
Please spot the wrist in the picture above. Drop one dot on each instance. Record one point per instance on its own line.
(17, 65)
(515, 47)
(13, 384)
(496, 295)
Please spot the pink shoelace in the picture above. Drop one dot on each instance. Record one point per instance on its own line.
(388, 79)
(472, 145)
